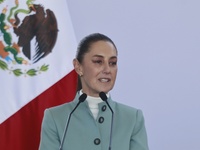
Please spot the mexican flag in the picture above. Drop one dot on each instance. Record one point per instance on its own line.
(37, 46)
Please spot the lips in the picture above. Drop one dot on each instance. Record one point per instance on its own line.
(104, 80)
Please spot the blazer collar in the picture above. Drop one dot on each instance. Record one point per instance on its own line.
(110, 101)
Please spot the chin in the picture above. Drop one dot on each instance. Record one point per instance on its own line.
(105, 90)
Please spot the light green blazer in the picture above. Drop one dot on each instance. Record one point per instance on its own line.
(86, 133)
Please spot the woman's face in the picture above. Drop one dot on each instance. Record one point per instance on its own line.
(99, 68)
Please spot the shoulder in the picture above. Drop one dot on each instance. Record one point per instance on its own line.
(60, 109)
(55, 117)
(63, 108)
(128, 112)
(125, 108)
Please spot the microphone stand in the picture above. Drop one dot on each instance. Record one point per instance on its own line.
(81, 99)
(104, 98)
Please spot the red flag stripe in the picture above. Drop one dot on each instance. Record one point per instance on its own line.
(22, 130)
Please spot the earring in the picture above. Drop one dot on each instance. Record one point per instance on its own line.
(81, 74)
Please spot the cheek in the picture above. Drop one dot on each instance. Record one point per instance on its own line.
(114, 72)
(90, 73)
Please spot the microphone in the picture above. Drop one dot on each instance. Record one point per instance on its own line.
(82, 98)
(103, 96)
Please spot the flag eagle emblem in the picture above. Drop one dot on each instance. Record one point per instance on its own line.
(17, 33)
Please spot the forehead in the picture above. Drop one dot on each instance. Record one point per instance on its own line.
(102, 47)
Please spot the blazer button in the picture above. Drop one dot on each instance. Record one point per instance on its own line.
(101, 119)
(103, 108)
(97, 141)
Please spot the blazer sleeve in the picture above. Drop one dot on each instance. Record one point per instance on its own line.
(139, 135)
(49, 135)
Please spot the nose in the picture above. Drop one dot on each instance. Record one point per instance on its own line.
(106, 68)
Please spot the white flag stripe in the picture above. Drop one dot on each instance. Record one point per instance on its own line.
(15, 92)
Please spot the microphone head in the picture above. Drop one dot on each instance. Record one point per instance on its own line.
(103, 96)
(83, 97)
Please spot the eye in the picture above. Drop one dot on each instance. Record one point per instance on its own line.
(113, 63)
(97, 61)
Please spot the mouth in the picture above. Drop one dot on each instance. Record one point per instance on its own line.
(104, 80)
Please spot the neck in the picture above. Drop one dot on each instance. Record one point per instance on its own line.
(94, 97)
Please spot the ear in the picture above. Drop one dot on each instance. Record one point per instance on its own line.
(77, 67)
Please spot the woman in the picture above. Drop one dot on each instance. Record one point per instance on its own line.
(94, 124)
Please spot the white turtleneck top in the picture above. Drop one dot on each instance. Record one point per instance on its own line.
(93, 104)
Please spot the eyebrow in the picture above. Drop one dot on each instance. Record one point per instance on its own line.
(112, 57)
